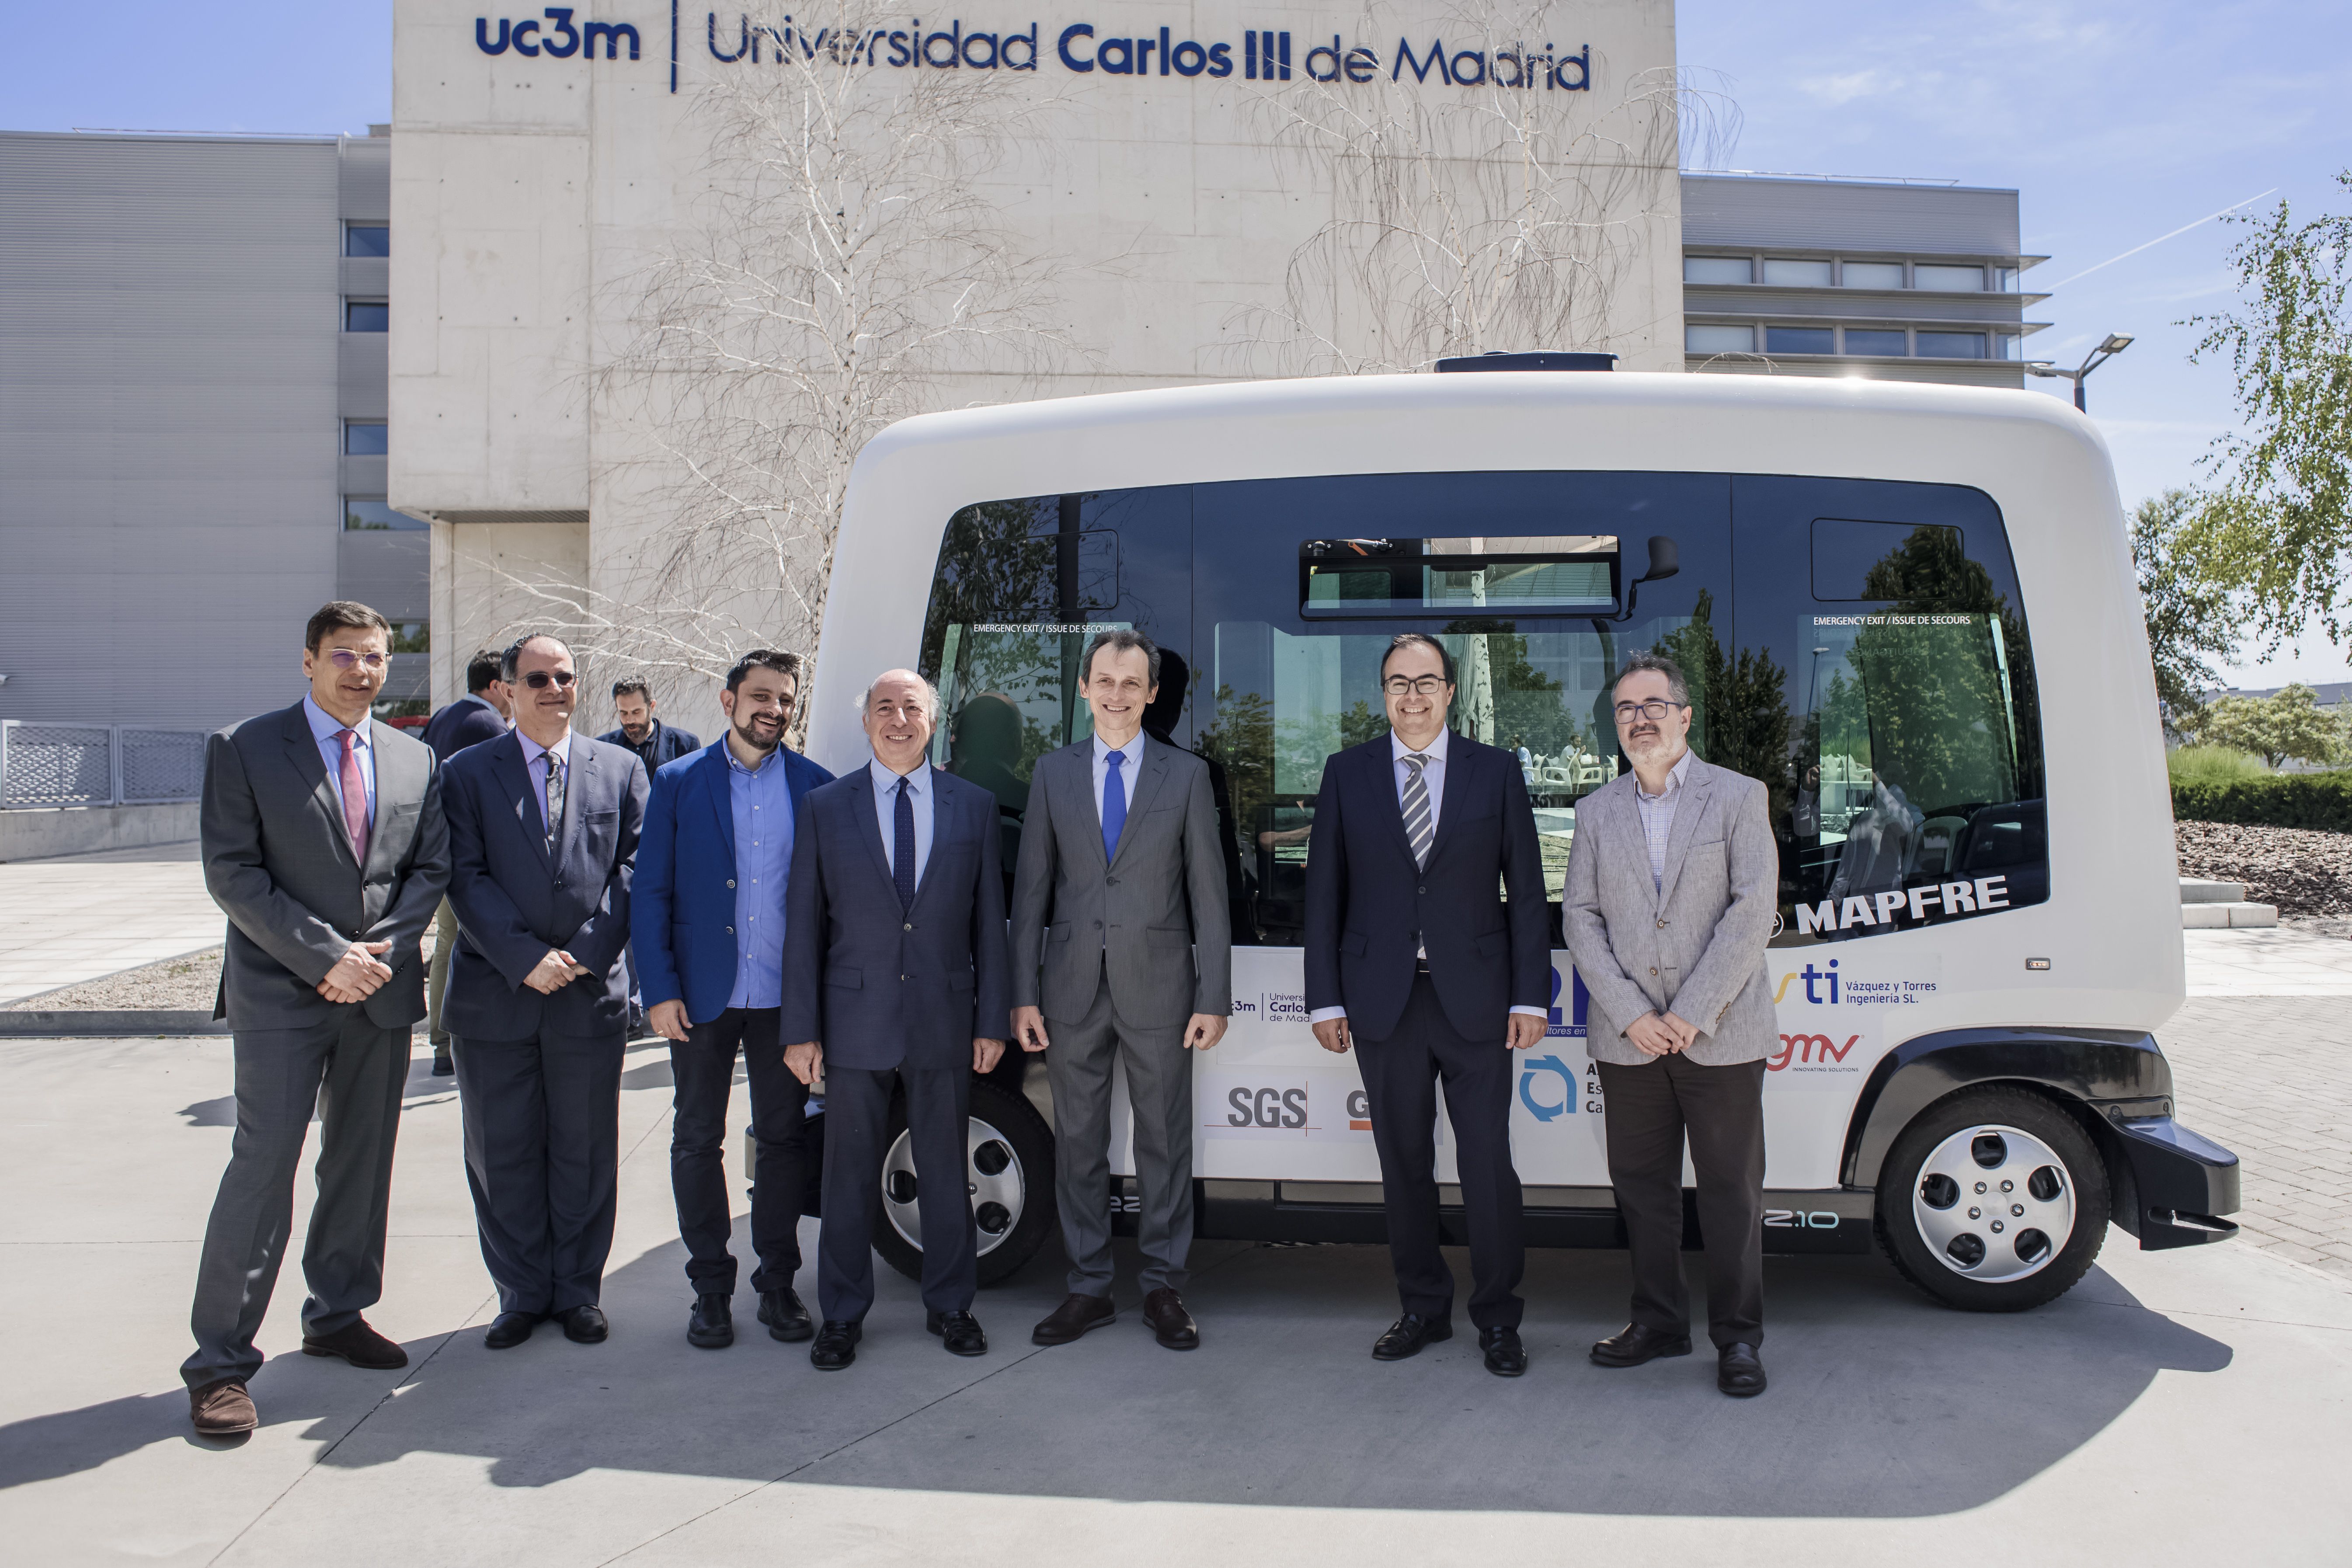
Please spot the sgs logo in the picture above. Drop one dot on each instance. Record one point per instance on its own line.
(1268, 1107)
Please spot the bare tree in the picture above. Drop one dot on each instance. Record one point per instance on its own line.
(1486, 193)
(843, 262)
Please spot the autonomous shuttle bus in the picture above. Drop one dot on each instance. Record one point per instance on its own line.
(1909, 610)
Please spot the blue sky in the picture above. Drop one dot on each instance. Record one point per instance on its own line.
(2116, 122)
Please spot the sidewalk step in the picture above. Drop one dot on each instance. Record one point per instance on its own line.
(2232, 916)
(2197, 890)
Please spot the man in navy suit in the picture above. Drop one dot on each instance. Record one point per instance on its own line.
(543, 836)
(657, 744)
(708, 947)
(1414, 955)
(479, 715)
(897, 977)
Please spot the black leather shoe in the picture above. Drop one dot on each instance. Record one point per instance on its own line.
(358, 1344)
(584, 1325)
(1505, 1357)
(1637, 1344)
(712, 1327)
(442, 1067)
(786, 1318)
(836, 1345)
(1171, 1324)
(1408, 1334)
(960, 1331)
(509, 1329)
(1739, 1371)
(1076, 1315)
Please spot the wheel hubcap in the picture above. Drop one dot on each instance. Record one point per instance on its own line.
(1994, 1204)
(993, 1178)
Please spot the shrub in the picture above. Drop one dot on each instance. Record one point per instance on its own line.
(2321, 800)
(2212, 765)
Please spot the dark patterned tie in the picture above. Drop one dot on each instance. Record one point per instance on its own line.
(902, 848)
(554, 797)
(1420, 826)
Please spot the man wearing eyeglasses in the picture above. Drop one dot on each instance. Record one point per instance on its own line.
(1416, 963)
(1672, 888)
(543, 827)
(323, 842)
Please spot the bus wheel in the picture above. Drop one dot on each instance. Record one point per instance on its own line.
(1009, 1169)
(1993, 1200)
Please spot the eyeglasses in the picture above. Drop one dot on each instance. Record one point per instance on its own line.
(538, 678)
(351, 658)
(1406, 685)
(1655, 708)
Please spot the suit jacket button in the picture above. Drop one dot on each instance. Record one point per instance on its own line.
(1654, 971)
(731, 932)
(730, 881)
(1661, 925)
(1420, 889)
(908, 926)
(1112, 881)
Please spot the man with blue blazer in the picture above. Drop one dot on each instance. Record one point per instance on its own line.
(708, 946)
(542, 835)
(896, 978)
(1414, 955)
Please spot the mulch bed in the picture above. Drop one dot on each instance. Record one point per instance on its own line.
(2305, 874)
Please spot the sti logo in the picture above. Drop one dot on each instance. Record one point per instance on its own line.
(1820, 984)
(1538, 1067)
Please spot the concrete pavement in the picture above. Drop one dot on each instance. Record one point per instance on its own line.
(67, 920)
(2175, 1407)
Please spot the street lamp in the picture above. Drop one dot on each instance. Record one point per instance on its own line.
(2114, 344)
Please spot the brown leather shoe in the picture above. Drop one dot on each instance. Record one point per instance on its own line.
(1073, 1318)
(222, 1408)
(359, 1345)
(1171, 1324)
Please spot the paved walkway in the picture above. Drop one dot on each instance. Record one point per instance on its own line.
(2279, 962)
(74, 918)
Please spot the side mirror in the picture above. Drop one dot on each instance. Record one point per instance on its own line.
(1665, 561)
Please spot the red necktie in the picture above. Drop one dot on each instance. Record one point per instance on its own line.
(355, 820)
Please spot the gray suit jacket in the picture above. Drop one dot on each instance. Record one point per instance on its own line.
(277, 862)
(1070, 909)
(1694, 949)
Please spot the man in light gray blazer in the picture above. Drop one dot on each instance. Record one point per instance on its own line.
(1120, 936)
(1672, 887)
(323, 841)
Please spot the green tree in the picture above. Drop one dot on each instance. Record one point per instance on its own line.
(2192, 620)
(2291, 725)
(2280, 525)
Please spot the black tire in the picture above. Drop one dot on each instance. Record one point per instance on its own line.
(1947, 1224)
(1008, 1239)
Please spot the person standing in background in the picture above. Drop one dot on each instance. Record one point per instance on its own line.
(480, 715)
(657, 745)
(323, 842)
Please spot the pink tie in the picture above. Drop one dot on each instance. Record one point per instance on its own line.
(355, 820)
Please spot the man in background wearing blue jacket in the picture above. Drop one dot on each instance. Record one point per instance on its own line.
(707, 927)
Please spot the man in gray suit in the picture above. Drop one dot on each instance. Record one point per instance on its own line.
(323, 842)
(543, 828)
(1672, 884)
(1119, 839)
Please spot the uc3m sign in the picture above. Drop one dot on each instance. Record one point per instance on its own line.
(552, 33)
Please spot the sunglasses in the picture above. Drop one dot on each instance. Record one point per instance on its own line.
(538, 678)
(348, 658)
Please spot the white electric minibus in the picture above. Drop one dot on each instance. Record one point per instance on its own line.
(1909, 610)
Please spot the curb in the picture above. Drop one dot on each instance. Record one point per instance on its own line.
(56, 1024)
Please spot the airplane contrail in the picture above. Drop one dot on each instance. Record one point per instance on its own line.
(2160, 238)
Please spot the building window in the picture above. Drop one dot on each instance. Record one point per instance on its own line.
(1785, 273)
(412, 636)
(1948, 280)
(367, 316)
(2004, 280)
(364, 439)
(1951, 345)
(1884, 343)
(363, 514)
(1715, 340)
(1800, 341)
(2009, 345)
(1717, 270)
(1873, 274)
(367, 239)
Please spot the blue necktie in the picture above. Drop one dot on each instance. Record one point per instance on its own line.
(1114, 813)
(902, 848)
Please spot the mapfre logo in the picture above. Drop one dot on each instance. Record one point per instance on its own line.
(1813, 1053)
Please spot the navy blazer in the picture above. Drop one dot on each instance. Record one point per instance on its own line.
(1365, 899)
(879, 985)
(682, 907)
(465, 722)
(514, 901)
(669, 743)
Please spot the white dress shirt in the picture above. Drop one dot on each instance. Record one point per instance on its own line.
(1432, 778)
(885, 808)
(534, 761)
(1130, 754)
(328, 730)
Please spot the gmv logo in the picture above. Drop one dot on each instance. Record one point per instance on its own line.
(1284, 1108)
(1809, 1048)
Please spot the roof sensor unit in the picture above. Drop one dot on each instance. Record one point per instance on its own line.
(1496, 359)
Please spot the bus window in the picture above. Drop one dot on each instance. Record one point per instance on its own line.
(1890, 625)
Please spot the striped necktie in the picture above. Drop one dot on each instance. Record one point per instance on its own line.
(555, 796)
(1420, 826)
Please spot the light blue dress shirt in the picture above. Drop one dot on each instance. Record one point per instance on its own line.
(328, 730)
(534, 763)
(1658, 819)
(761, 802)
(885, 805)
